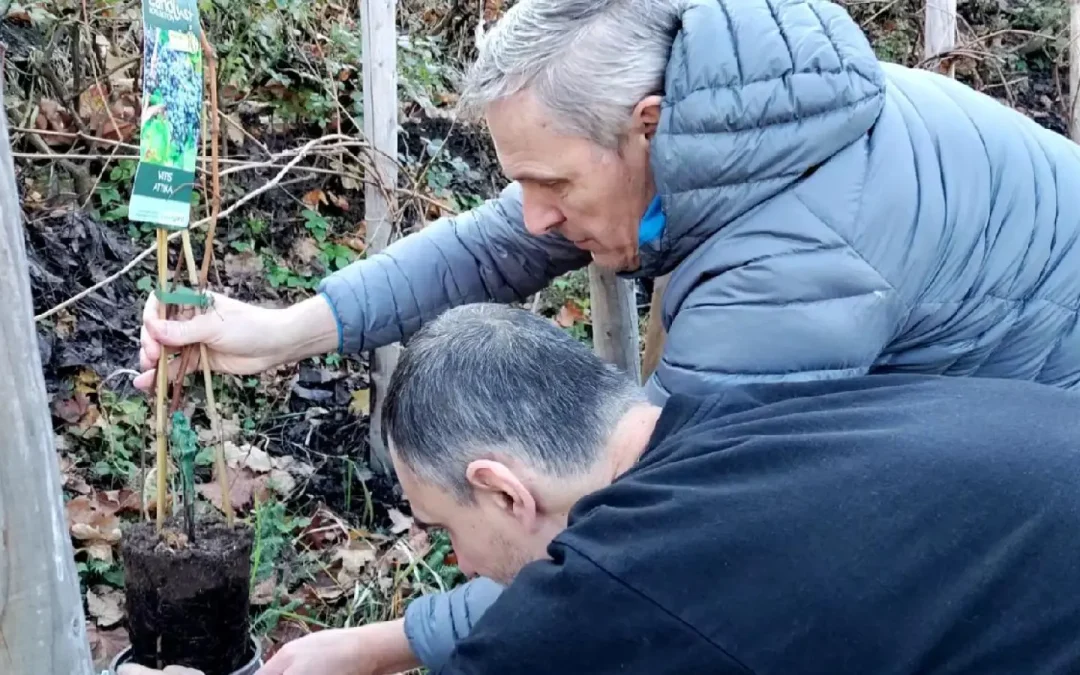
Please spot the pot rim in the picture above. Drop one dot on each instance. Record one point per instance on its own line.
(248, 668)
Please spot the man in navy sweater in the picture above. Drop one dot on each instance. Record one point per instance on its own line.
(891, 524)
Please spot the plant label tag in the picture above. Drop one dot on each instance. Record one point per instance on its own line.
(172, 101)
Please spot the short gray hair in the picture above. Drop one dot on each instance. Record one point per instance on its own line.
(589, 62)
(487, 377)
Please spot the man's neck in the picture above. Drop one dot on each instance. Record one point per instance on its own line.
(626, 445)
(631, 438)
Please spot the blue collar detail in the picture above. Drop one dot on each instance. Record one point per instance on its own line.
(652, 223)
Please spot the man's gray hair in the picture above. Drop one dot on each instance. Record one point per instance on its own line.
(486, 378)
(589, 62)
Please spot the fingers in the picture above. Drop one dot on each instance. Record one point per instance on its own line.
(276, 665)
(147, 379)
(200, 328)
(135, 669)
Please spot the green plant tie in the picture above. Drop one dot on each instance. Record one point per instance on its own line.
(182, 295)
(185, 448)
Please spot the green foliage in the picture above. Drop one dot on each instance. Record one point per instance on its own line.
(94, 571)
(114, 190)
(122, 438)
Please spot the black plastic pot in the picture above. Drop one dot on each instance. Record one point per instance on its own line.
(249, 668)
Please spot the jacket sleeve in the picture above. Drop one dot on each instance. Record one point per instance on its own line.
(482, 255)
(434, 623)
(785, 299)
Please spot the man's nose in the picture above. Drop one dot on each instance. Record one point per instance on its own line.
(540, 217)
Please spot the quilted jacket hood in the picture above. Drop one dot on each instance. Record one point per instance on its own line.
(744, 117)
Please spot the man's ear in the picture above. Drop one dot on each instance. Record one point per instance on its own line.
(495, 486)
(646, 116)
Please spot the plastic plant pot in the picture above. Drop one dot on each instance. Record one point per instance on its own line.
(249, 668)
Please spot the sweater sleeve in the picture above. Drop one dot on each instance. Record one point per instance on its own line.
(435, 622)
(569, 615)
(481, 255)
(789, 300)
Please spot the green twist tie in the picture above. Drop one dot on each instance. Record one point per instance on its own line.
(185, 448)
(182, 295)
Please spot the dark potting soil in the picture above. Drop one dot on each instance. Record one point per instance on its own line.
(188, 604)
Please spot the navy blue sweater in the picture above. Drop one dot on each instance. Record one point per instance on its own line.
(887, 525)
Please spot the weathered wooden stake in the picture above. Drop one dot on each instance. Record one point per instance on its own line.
(42, 626)
(615, 320)
(655, 335)
(1074, 70)
(940, 33)
(379, 35)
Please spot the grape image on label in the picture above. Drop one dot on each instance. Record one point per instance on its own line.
(172, 82)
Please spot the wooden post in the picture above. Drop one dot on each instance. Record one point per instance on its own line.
(940, 33)
(615, 320)
(379, 35)
(655, 336)
(42, 626)
(1074, 70)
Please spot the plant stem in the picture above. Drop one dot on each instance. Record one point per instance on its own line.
(162, 386)
(211, 404)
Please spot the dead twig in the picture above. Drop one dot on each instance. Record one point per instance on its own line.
(300, 154)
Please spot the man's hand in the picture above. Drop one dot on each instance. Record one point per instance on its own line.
(133, 669)
(241, 339)
(375, 649)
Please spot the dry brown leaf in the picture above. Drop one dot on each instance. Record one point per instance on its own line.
(339, 202)
(263, 593)
(361, 402)
(65, 325)
(243, 266)
(90, 522)
(118, 501)
(93, 101)
(399, 521)
(304, 250)
(292, 465)
(313, 198)
(230, 429)
(51, 115)
(71, 410)
(355, 557)
(69, 473)
(106, 605)
(569, 314)
(324, 530)
(100, 551)
(233, 129)
(105, 644)
(244, 486)
(248, 456)
(282, 482)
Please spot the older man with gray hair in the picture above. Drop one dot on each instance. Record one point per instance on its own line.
(823, 215)
(902, 524)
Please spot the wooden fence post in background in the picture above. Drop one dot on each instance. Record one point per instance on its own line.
(939, 33)
(42, 626)
(615, 320)
(655, 336)
(1074, 70)
(379, 35)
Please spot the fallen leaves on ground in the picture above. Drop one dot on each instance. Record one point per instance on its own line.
(105, 644)
(569, 314)
(244, 486)
(400, 522)
(106, 605)
(243, 267)
(94, 519)
(253, 473)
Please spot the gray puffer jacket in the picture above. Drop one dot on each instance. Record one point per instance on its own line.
(827, 215)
